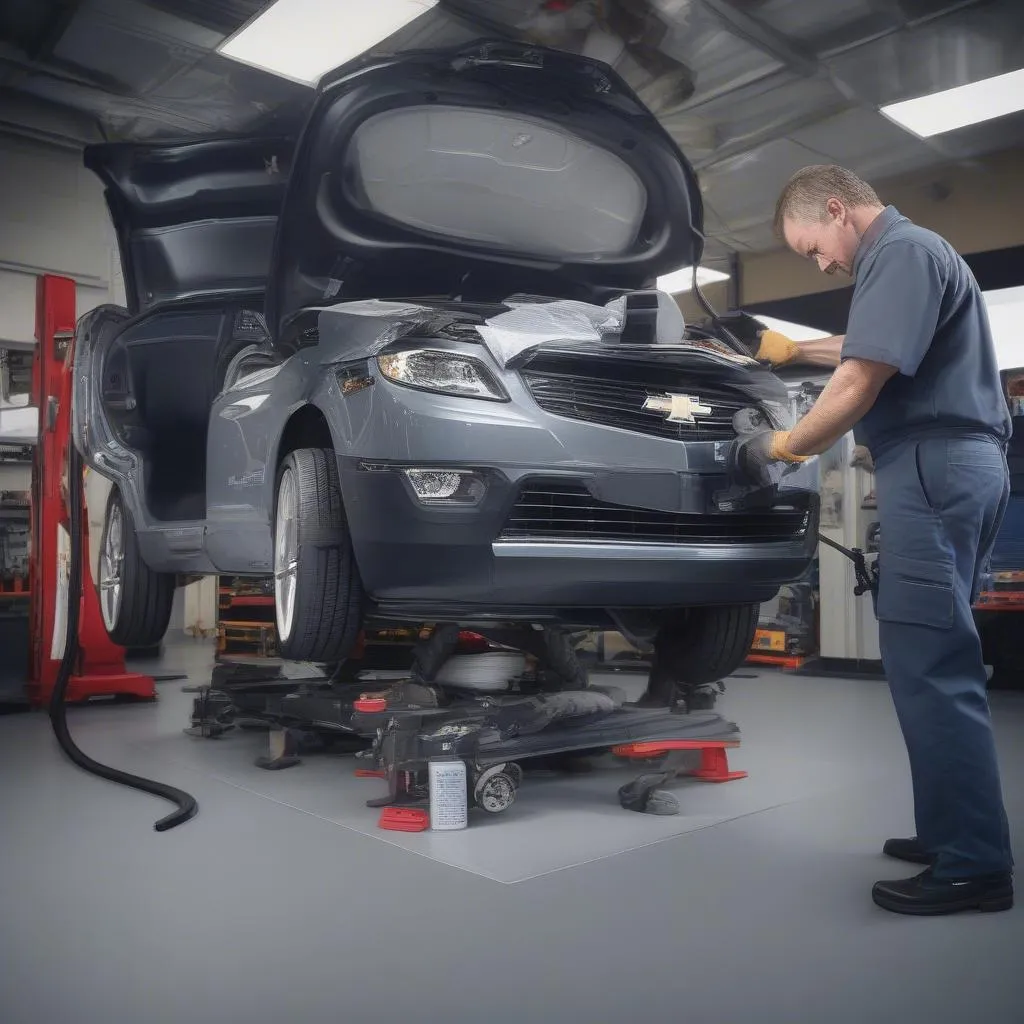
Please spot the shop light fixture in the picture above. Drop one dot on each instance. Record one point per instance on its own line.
(303, 39)
(681, 280)
(957, 108)
(797, 332)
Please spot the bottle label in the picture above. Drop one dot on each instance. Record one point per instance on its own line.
(448, 798)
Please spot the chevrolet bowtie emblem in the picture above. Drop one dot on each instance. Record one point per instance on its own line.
(679, 408)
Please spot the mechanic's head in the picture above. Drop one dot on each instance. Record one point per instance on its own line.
(823, 213)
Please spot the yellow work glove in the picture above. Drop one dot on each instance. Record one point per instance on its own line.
(776, 349)
(778, 448)
(751, 456)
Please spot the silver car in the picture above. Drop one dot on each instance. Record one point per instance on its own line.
(302, 386)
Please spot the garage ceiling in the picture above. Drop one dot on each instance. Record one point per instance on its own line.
(751, 89)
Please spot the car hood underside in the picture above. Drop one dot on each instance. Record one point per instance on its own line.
(472, 173)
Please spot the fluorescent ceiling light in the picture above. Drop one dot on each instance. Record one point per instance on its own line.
(303, 39)
(681, 280)
(956, 108)
(797, 332)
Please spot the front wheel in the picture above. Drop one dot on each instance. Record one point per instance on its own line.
(135, 601)
(704, 645)
(318, 594)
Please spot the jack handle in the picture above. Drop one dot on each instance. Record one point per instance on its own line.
(867, 576)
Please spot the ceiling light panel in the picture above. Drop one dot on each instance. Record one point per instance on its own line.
(304, 39)
(956, 108)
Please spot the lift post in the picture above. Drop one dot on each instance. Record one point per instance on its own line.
(100, 670)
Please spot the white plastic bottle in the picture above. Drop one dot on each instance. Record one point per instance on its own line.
(449, 798)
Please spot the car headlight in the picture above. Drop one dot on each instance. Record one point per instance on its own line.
(447, 373)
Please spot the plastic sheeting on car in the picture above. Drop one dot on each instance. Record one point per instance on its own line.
(528, 325)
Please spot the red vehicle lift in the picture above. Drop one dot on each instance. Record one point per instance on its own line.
(100, 670)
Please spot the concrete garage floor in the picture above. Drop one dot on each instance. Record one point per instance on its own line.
(283, 902)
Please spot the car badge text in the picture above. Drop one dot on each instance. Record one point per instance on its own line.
(678, 408)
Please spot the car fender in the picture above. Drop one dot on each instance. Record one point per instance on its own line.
(247, 421)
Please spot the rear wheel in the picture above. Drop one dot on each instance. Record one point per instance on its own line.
(135, 601)
(318, 594)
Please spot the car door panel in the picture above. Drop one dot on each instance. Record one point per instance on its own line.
(102, 389)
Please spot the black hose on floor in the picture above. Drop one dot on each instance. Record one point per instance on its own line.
(187, 806)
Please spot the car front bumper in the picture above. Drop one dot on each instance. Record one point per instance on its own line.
(645, 524)
(421, 560)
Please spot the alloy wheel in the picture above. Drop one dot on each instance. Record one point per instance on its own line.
(111, 566)
(286, 554)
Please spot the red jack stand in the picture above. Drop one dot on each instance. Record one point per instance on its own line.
(404, 819)
(100, 669)
(714, 759)
(714, 766)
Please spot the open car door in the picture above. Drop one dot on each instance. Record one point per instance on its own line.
(195, 224)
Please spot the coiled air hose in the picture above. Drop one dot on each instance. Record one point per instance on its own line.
(187, 806)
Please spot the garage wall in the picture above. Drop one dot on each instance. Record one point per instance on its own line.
(53, 219)
(978, 208)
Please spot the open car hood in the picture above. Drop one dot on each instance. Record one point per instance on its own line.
(475, 173)
(193, 219)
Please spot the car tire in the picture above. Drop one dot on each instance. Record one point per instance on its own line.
(704, 645)
(135, 601)
(318, 593)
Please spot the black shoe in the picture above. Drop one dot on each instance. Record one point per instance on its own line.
(909, 850)
(928, 896)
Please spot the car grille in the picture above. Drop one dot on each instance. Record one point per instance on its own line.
(620, 403)
(567, 512)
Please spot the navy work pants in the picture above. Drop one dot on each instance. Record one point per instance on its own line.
(940, 503)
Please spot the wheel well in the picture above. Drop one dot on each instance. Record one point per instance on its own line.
(307, 428)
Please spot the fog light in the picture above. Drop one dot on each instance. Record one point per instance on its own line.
(446, 486)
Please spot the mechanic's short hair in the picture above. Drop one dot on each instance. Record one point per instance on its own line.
(807, 192)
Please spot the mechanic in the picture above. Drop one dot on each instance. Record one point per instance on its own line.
(916, 378)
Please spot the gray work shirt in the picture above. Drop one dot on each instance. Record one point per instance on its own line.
(917, 306)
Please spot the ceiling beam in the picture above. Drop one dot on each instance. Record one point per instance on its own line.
(475, 18)
(28, 117)
(723, 154)
(767, 39)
